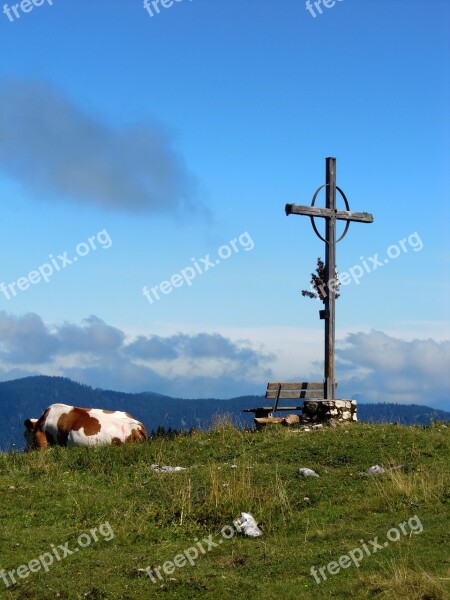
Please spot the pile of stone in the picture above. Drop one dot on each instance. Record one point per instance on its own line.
(322, 411)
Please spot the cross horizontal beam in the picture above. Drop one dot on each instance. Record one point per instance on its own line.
(314, 211)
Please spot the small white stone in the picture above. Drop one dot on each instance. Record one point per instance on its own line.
(305, 472)
(166, 469)
(248, 525)
(375, 470)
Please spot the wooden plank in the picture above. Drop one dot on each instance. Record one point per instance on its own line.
(267, 420)
(304, 385)
(270, 409)
(330, 273)
(295, 394)
(341, 215)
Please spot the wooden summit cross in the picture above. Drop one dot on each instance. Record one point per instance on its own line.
(330, 214)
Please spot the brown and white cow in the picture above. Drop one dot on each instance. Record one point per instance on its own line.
(63, 425)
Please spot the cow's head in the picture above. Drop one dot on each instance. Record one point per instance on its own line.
(30, 426)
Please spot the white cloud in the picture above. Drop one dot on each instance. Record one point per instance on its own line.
(200, 364)
(224, 362)
(382, 368)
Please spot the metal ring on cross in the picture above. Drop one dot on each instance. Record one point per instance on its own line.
(347, 223)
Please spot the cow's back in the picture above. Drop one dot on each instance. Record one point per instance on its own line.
(73, 426)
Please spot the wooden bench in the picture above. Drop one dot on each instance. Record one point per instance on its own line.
(285, 391)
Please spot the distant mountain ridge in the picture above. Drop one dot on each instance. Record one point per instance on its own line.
(30, 396)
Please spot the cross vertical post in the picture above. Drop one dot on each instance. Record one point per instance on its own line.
(331, 215)
(330, 274)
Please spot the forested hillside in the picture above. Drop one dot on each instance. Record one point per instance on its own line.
(28, 397)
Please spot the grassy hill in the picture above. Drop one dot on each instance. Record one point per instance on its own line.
(143, 518)
(29, 397)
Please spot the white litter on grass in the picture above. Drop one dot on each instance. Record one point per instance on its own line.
(248, 525)
(304, 472)
(166, 469)
(375, 470)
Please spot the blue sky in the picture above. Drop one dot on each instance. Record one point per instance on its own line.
(178, 133)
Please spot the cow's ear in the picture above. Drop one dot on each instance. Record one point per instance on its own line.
(29, 424)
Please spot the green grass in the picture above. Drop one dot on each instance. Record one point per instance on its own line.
(51, 497)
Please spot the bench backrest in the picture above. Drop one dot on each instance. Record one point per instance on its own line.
(302, 389)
